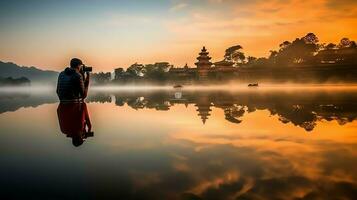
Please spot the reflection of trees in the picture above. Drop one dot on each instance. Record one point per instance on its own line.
(233, 113)
(15, 100)
(301, 110)
(99, 98)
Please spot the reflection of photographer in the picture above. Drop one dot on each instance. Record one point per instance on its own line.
(73, 82)
(74, 121)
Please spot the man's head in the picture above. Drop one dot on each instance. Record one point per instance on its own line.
(76, 63)
(77, 139)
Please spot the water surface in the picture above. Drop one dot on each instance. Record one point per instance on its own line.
(183, 144)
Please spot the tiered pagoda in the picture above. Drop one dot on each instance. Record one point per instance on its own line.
(204, 64)
(205, 68)
(203, 105)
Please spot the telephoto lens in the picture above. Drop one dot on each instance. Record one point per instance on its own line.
(87, 69)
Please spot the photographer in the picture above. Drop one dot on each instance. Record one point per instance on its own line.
(73, 82)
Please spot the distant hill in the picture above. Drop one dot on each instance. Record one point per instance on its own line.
(34, 74)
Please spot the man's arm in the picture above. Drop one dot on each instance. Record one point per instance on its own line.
(83, 85)
(86, 85)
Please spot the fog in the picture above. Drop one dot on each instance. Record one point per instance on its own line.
(225, 87)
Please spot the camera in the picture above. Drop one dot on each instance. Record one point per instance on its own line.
(87, 69)
(89, 134)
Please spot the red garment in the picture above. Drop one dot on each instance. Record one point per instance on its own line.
(73, 118)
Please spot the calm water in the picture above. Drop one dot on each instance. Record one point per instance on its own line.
(195, 144)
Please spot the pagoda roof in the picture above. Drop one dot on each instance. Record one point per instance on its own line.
(203, 58)
(223, 63)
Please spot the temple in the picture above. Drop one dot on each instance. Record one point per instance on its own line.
(205, 69)
(203, 65)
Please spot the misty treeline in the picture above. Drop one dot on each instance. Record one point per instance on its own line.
(153, 72)
(302, 51)
(10, 81)
(306, 52)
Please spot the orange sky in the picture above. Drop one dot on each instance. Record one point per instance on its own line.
(108, 34)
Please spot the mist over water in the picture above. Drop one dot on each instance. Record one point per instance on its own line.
(232, 86)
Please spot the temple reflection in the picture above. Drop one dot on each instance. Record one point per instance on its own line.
(301, 110)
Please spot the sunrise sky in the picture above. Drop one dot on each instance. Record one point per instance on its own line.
(110, 34)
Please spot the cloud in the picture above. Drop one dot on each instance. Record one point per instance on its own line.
(178, 7)
(259, 25)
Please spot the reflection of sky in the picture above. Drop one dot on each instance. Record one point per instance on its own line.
(110, 33)
(162, 154)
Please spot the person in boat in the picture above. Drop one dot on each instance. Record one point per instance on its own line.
(73, 82)
(75, 122)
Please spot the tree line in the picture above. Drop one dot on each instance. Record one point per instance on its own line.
(10, 81)
(303, 51)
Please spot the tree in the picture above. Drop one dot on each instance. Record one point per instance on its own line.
(251, 59)
(118, 73)
(157, 71)
(284, 45)
(10, 81)
(311, 38)
(330, 46)
(136, 70)
(273, 54)
(344, 43)
(235, 55)
(301, 50)
(101, 77)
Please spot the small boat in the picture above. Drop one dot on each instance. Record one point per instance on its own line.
(178, 86)
(253, 85)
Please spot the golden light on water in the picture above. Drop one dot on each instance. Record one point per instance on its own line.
(303, 137)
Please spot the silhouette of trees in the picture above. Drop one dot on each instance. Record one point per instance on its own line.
(344, 43)
(311, 38)
(136, 70)
(301, 50)
(154, 72)
(330, 46)
(119, 73)
(10, 81)
(157, 71)
(343, 53)
(304, 51)
(251, 59)
(101, 78)
(235, 55)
